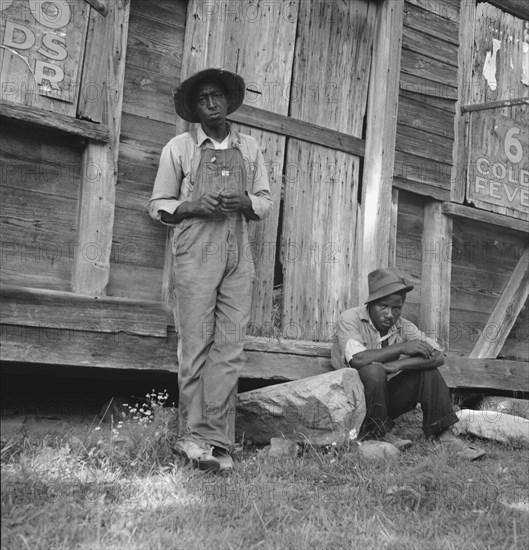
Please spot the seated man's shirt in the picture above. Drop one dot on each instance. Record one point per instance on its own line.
(356, 333)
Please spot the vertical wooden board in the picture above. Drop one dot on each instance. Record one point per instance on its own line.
(328, 89)
(40, 40)
(318, 235)
(153, 65)
(466, 43)
(256, 40)
(436, 274)
(154, 58)
(381, 127)
(263, 235)
(98, 192)
(409, 248)
(318, 239)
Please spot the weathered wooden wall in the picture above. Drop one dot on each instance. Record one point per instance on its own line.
(39, 200)
(153, 65)
(428, 94)
(321, 192)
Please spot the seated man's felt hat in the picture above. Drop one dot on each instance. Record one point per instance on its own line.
(232, 82)
(385, 281)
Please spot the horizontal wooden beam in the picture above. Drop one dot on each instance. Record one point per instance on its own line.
(267, 359)
(54, 121)
(59, 310)
(493, 374)
(469, 213)
(494, 104)
(305, 131)
(519, 8)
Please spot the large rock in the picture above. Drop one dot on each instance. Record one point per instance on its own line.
(492, 425)
(507, 405)
(319, 410)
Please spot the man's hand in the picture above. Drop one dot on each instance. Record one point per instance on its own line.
(205, 204)
(231, 201)
(417, 347)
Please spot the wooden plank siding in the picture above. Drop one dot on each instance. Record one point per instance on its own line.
(41, 182)
(319, 223)
(482, 263)
(428, 92)
(105, 64)
(153, 65)
(262, 51)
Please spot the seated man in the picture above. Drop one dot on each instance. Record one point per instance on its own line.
(397, 364)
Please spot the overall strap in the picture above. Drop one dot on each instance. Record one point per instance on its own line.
(195, 161)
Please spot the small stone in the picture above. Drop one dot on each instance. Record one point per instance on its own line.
(378, 450)
(283, 448)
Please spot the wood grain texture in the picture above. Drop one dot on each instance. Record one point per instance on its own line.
(467, 212)
(466, 41)
(49, 345)
(69, 125)
(318, 234)
(38, 206)
(291, 127)
(73, 312)
(99, 169)
(505, 312)
(436, 273)
(491, 23)
(519, 8)
(18, 66)
(381, 123)
(483, 260)
(261, 49)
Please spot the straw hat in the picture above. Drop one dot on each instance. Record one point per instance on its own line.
(233, 83)
(385, 281)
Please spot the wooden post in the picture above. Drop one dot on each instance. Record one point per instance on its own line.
(505, 312)
(380, 141)
(392, 255)
(104, 68)
(436, 273)
(466, 42)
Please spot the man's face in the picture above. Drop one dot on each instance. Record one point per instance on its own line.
(211, 104)
(385, 312)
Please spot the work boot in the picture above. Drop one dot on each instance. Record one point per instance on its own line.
(200, 456)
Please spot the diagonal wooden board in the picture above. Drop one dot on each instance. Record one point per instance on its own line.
(504, 314)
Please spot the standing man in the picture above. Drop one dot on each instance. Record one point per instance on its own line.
(379, 343)
(211, 181)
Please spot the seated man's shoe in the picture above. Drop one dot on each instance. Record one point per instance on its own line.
(201, 456)
(226, 462)
(461, 449)
(401, 444)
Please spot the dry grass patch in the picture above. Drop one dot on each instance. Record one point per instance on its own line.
(125, 490)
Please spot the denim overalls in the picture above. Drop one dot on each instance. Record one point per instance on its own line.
(214, 274)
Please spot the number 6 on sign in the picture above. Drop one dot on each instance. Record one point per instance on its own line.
(510, 143)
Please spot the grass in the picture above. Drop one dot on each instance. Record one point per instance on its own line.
(120, 487)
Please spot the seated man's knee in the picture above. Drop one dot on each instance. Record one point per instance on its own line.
(373, 374)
